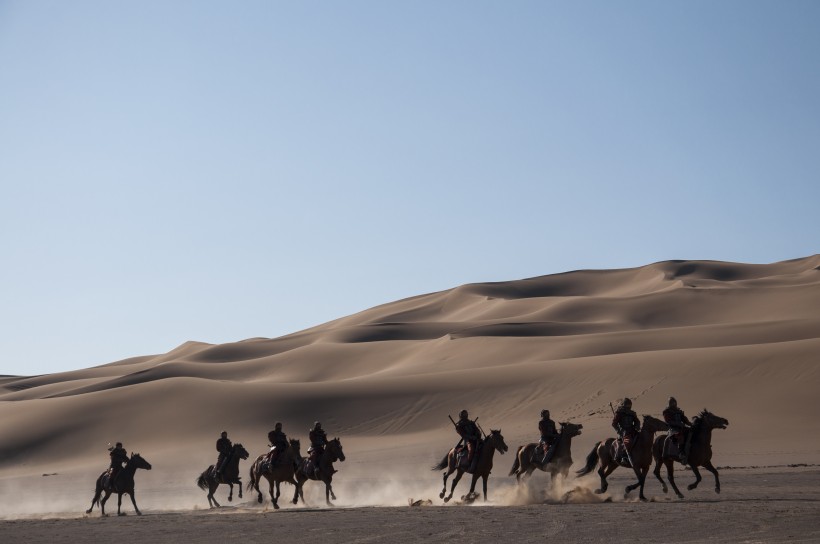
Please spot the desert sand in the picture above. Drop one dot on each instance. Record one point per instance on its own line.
(742, 340)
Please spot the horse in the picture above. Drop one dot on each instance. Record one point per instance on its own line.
(282, 471)
(230, 475)
(700, 452)
(333, 452)
(123, 483)
(561, 459)
(484, 464)
(640, 454)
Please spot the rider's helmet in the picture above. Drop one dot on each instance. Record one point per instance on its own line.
(545, 414)
(627, 403)
(317, 425)
(119, 444)
(463, 414)
(673, 403)
(224, 434)
(278, 426)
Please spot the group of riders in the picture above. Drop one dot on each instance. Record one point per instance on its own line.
(625, 422)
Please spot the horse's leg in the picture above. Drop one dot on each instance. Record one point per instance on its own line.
(96, 499)
(119, 505)
(694, 484)
(238, 483)
(211, 498)
(453, 485)
(604, 472)
(276, 498)
(473, 481)
(102, 502)
(230, 493)
(134, 502)
(484, 483)
(711, 468)
(642, 478)
(329, 484)
(444, 489)
(657, 473)
(670, 473)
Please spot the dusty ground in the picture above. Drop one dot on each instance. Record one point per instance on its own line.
(756, 505)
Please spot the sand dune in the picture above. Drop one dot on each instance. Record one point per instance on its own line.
(740, 339)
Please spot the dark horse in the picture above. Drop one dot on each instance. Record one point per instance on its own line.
(641, 455)
(282, 471)
(230, 475)
(561, 459)
(484, 464)
(333, 452)
(700, 452)
(123, 483)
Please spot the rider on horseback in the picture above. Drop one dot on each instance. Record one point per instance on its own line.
(628, 426)
(278, 442)
(468, 431)
(318, 441)
(678, 422)
(549, 437)
(118, 457)
(225, 447)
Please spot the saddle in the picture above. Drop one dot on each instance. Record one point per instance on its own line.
(619, 448)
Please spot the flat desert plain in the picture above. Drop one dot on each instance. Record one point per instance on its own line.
(741, 340)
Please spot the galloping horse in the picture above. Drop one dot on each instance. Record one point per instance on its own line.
(333, 452)
(282, 471)
(641, 455)
(700, 452)
(123, 483)
(560, 462)
(484, 464)
(230, 475)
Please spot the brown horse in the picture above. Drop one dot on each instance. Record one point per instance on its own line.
(282, 471)
(641, 455)
(700, 452)
(561, 459)
(230, 475)
(123, 483)
(484, 464)
(333, 452)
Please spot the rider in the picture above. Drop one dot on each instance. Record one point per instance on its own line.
(224, 447)
(278, 442)
(549, 436)
(678, 422)
(628, 426)
(318, 441)
(118, 457)
(468, 431)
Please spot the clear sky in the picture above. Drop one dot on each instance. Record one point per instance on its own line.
(214, 171)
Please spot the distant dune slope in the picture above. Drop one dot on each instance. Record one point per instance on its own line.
(740, 339)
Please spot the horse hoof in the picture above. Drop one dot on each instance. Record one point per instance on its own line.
(121, 514)
(680, 495)
(295, 501)
(139, 513)
(275, 506)
(230, 499)
(717, 490)
(88, 511)
(599, 491)
(690, 487)
(446, 500)
(644, 499)
(440, 496)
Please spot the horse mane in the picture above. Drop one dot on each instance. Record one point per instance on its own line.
(703, 413)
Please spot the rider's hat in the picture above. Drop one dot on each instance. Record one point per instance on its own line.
(463, 414)
(545, 413)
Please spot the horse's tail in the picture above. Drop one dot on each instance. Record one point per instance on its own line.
(202, 481)
(592, 461)
(251, 477)
(516, 464)
(443, 464)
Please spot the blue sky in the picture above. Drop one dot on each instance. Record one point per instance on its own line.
(215, 171)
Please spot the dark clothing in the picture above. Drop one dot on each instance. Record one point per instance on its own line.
(626, 422)
(467, 430)
(318, 438)
(548, 431)
(278, 440)
(224, 446)
(118, 457)
(676, 419)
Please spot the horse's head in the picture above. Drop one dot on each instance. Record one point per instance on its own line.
(295, 446)
(334, 448)
(239, 450)
(711, 421)
(570, 429)
(138, 462)
(653, 424)
(497, 440)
